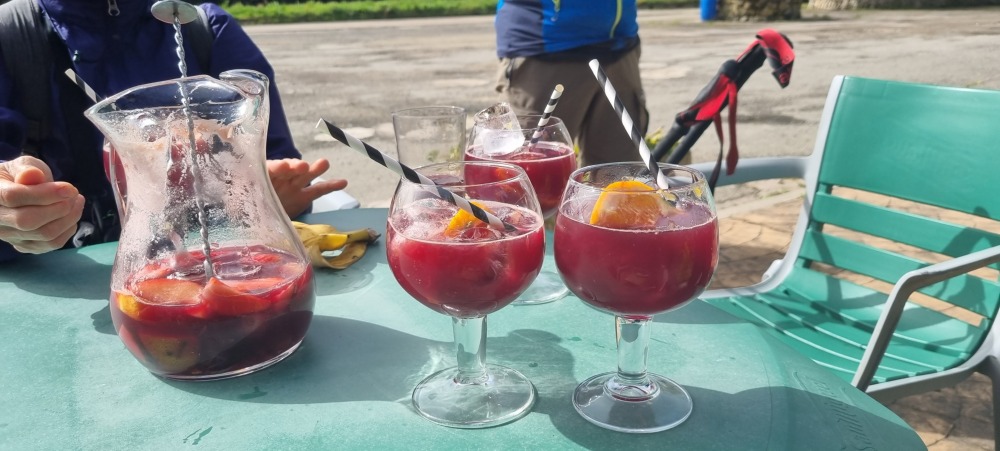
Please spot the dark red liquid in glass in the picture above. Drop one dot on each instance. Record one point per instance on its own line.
(548, 166)
(186, 327)
(638, 272)
(468, 276)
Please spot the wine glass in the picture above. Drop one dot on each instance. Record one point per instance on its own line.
(547, 156)
(459, 266)
(634, 251)
(431, 134)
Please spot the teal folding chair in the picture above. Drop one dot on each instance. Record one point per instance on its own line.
(902, 190)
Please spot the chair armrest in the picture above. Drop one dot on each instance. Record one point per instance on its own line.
(901, 292)
(751, 169)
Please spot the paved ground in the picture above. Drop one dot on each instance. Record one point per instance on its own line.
(356, 73)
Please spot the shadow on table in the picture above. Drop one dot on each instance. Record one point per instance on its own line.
(344, 360)
(359, 275)
(72, 276)
(697, 312)
(760, 418)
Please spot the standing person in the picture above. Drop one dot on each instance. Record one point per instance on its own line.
(53, 179)
(542, 43)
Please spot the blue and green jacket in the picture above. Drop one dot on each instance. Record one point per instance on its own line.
(565, 29)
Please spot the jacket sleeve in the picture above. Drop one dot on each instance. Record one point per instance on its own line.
(233, 49)
(12, 122)
(12, 133)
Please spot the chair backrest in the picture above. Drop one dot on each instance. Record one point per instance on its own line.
(915, 166)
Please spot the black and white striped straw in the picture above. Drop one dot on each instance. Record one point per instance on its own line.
(547, 113)
(630, 127)
(414, 176)
(91, 94)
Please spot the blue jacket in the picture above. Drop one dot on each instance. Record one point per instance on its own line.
(547, 27)
(116, 53)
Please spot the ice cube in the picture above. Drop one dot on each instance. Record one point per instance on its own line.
(500, 142)
(498, 116)
(499, 131)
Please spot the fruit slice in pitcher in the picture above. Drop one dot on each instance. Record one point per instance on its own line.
(162, 299)
(170, 354)
(234, 297)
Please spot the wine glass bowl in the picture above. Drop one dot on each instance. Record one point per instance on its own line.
(546, 154)
(459, 266)
(430, 134)
(632, 249)
(548, 161)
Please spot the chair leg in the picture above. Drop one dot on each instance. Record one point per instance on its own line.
(991, 367)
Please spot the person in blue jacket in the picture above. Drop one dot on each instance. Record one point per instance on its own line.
(542, 43)
(115, 45)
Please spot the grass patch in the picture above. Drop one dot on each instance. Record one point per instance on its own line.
(314, 11)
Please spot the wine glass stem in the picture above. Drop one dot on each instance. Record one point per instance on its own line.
(633, 341)
(470, 346)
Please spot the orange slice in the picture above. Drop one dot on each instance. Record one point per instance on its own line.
(129, 305)
(463, 220)
(629, 204)
(168, 291)
(232, 298)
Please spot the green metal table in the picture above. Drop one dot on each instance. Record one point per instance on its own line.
(67, 382)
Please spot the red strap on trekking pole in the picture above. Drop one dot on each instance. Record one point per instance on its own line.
(779, 54)
(769, 45)
(734, 154)
(724, 91)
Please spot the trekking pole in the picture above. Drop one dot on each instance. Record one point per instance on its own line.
(739, 71)
(691, 123)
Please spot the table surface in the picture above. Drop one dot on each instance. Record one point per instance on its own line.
(67, 382)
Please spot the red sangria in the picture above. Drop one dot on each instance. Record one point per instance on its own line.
(463, 271)
(640, 270)
(253, 312)
(458, 265)
(546, 154)
(547, 164)
(630, 246)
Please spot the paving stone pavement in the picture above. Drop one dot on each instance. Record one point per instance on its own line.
(755, 234)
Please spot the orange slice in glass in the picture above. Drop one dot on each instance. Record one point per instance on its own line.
(463, 220)
(629, 204)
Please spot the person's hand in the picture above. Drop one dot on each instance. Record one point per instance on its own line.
(291, 179)
(37, 214)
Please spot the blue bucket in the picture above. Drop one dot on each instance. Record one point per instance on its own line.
(709, 10)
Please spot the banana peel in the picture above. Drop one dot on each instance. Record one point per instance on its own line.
(320, 238)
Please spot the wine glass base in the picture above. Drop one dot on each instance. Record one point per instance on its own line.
(547, 287)
(667, 407)
(504, 396)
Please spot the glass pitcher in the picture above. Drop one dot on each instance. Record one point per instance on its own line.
(210, 279)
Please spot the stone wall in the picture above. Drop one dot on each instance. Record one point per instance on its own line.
(760, 10)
